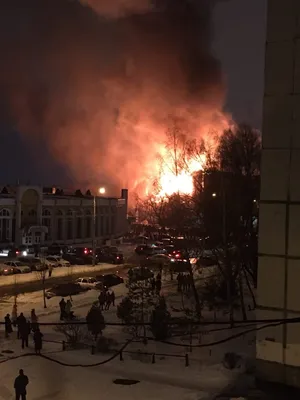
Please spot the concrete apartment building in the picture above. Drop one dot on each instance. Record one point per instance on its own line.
(32, 215)
(278, 296)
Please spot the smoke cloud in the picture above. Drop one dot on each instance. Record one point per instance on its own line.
(98, 84)
(118, 8)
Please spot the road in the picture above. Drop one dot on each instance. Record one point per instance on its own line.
(21, 283)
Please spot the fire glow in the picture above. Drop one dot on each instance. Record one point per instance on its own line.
(181, 182)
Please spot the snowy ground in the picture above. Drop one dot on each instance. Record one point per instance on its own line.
(168, 377)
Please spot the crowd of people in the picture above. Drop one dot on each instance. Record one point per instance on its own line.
(24, 328)
(106, 298)
(66, 312)
(156, 284)
(184, 282)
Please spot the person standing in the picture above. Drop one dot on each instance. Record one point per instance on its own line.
(112, 297)
(14, 314)
(62, 306)
(108, 300)
(68, 309)
(38, 341)
(34, 320)
(21, 320)
(102, 298)
(24, 333)
(50, 269)
(8, 325)
(20, 385)
(179, 282)
(158, 284)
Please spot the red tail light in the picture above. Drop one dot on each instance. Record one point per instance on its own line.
(85, 251)
(17, 252)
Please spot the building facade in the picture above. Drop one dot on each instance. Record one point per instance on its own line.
(32, 215)
(278, 348)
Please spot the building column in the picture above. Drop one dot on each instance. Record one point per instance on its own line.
(278, 348)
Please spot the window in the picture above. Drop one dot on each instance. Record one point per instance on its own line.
(59, 224)
(79, 217)
(46, 221)
(88, 223)
(32, 213)
(101, 226)
(69, 224)
(5, 225)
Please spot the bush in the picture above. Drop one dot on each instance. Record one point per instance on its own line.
(95, 321)
(125, 310)
(231, 360)
(160, 321)
(74, 334)
(105, 345)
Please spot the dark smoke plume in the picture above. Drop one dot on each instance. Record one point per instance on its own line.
(99, 83)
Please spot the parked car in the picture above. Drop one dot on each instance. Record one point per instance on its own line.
(4, 252)
(87, 282)
(65, 290)
(105, 255)
(6, 270)
(143, 249)
(59, 262)
(83, 254)
(19, 267)
(109, 280)
(48, 263)
(73, 259)
(34, 263)
(157, 260)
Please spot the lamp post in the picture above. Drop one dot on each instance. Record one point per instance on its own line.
(102, 191)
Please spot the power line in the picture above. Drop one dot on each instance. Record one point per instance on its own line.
(221, 341)
(179, 323)
(66, 364)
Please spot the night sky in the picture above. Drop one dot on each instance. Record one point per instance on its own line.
(239, 44)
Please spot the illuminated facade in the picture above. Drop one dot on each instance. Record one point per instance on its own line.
(278, 348)
(32, 215)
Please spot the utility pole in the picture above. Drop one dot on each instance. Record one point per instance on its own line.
(94, 230)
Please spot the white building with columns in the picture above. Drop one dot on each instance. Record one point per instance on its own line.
(32, 215)
(278, 293)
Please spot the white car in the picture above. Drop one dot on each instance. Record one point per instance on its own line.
(87, 282)
(60, 262)
(19, 267)
(6, 270)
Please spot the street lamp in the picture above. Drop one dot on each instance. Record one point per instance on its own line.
(214, 195)
(102, 191)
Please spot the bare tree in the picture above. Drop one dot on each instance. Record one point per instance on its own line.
(41, 276)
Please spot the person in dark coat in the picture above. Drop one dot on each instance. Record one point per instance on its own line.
(153, 284)
(102, 299)
(112, 297)
(62, 306)
(158, 285)
(108, 299)
(24, 333)
(21, 320)
(38, 341)
(8, 325)
(179, 282)
(34, 320)
(20, 385)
